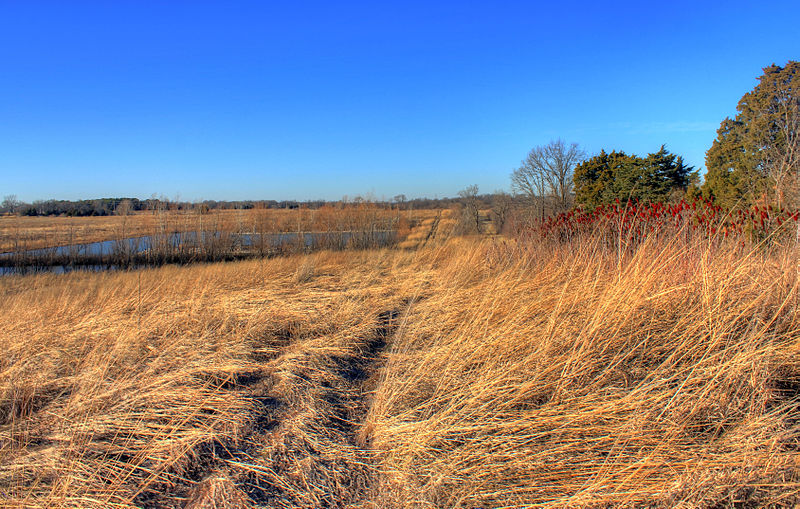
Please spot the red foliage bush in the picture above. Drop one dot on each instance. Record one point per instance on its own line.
(631, 222)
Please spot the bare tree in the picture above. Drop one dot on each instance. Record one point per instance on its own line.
(529, 180)
(469, 196)
(10, 203)
(124, 208)
(547, 171)
(501, 208)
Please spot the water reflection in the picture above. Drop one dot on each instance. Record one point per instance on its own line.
(182, 248)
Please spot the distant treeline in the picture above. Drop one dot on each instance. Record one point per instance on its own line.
(111, 206)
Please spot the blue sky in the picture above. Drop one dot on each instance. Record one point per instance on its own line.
(306, 100)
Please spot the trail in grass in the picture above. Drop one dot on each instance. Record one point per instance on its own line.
(434, 229)
(303, 447)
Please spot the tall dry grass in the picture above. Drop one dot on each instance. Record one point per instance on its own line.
(466, 373)
(128, 389)
(567, 375)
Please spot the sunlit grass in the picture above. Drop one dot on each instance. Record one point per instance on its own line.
(514, 373)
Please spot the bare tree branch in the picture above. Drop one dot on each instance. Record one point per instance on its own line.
(547, 171)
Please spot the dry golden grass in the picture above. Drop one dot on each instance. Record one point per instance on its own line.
(432, 228)
(569, 377)
(123, 389)
(464, 374)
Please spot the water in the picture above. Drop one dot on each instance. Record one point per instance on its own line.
(56, 269)
(180, 247)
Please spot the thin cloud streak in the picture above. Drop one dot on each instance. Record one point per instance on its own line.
(663, 127)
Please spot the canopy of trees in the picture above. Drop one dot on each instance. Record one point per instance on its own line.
(109, 206)
(755, 158)
(98, 207)
(610, 176)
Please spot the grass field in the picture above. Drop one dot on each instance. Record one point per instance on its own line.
(470, 372)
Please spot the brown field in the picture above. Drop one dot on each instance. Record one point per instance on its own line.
(467, 373)
(20, 233)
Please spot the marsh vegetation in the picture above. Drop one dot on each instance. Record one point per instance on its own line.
(30, 244)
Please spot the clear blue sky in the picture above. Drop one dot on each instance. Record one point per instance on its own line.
(305, 100)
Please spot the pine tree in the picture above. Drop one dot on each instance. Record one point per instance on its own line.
(606, 177)
(755, 158)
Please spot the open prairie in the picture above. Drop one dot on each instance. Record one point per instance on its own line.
(471, 372)
(400, 255)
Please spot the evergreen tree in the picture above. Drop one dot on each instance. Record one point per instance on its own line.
(755, 158)
(606, 177)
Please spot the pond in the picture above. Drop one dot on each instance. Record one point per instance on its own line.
(187, 247)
